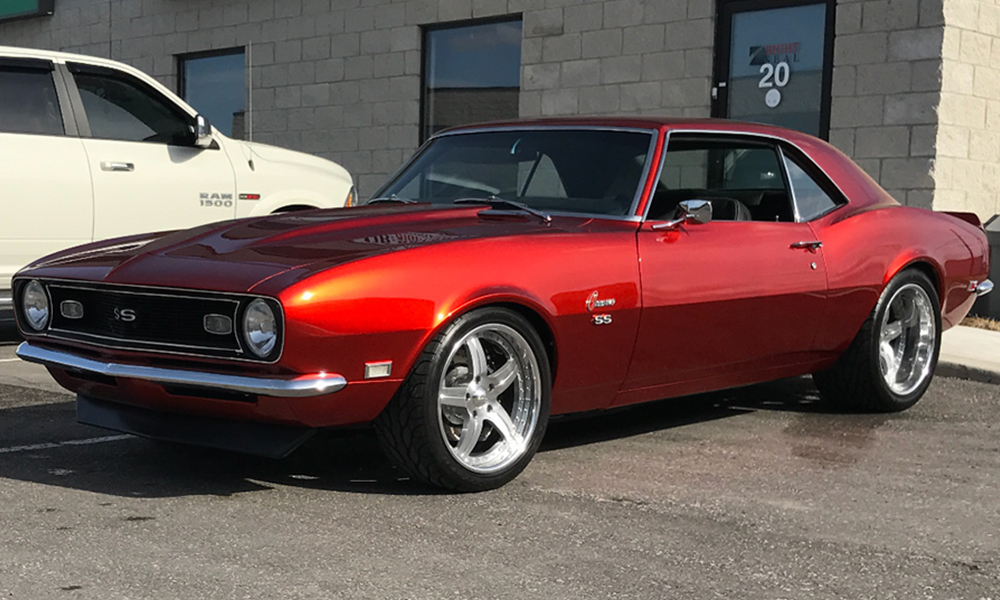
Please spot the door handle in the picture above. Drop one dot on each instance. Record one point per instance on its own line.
(811, 246)
(117, 166)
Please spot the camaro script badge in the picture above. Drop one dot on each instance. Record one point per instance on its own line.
(593, 302)
(124, 314)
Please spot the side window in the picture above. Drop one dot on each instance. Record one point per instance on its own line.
(810, 199)
(28, 102)
(743, 179)
(119, 109)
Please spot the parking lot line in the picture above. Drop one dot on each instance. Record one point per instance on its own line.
(50, 445)
(9, 359)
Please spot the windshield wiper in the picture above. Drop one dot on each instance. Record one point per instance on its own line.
(390, 198)
(498, 203)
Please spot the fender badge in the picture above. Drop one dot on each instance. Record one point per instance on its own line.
(593, 302)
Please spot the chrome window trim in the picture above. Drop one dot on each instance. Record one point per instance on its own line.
(629, 215)
(765, 136)
(184, 293)
(299, 387)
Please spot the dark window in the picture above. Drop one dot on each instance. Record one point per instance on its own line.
(592, 172)
(811, 200)
(743, 179)
(472, 73)
(215, 86)
(120, 108)
(28, 102)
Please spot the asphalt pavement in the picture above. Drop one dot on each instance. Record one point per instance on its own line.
(758, 493)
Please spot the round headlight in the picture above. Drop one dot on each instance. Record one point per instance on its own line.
(260, 328)
(35, 303)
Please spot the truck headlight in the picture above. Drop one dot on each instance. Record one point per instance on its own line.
(260, 328)
(35, 305)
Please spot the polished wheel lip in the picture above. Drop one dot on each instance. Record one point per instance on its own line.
(907, 339)
(480, 400)
(299, 387)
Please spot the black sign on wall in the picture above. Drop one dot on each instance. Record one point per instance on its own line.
(20, 9)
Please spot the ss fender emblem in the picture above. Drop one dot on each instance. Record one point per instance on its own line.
(602, 319)
(124, 314)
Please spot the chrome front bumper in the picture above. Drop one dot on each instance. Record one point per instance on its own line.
(984, 287)
(299, 387)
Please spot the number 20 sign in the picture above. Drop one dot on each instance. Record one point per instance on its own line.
(774, 76)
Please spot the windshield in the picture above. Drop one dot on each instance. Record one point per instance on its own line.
(553, 170)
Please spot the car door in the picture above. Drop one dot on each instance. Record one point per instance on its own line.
(147, 173)
(733, 300)
(46, 200)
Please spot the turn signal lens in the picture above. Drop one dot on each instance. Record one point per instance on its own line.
(35, 305)
(260, 328)
(351, 198)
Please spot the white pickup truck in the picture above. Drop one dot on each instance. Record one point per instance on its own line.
(92, 149)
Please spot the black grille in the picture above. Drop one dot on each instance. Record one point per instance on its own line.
(141, 318)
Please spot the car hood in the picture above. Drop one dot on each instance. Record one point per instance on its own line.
(239, 255)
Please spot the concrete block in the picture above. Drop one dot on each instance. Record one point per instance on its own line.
(405, 137)
(583, 17)
(455, 10)
(844, 81)
(961, 109)
(317, 48)
(643, 39)
(639, 97)
(607, 42)
(345, 92)
(890, 15)
(316, 94)
(260, 10)
(848, 18)
(907, 173)
(287, 8)
(330, 70)
(843, 139)
(684, 35)
(232, 15)
(360, 19)
(984, 146)
(329, 23)
(345, 44)
(358, 114)
(301, 73)
(580, 73)
(599, 100)
(315, 7)
(683, 93)
(976, 48)
(861, 48)
(561, 47)
(663, 66)
(912, 109)
(698, 62)
(358, 67)
(208, 17)
(963, 14)
(872, 166)
(373, 138)
(920, 198)
(541, 76)
(421, 12)
(857, 111)
(878, 142)
(889, 78)
(389, 16)
(531, 50)
(923, 140)
(620, 69)
(916, 44)
(288, 97)
(563, 101)
(957, 77)
(391, 64)
(993, 115)
(623, 13)
(986, 83)
(288, 51)
(374, 90)
(375, 42)
(931, 13)
(387, 161)
(925, 75)
(529, 104)
(542, 23)
(664, 11)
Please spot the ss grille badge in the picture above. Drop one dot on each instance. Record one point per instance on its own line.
(124, 314)
(71, 309)
(218, 324)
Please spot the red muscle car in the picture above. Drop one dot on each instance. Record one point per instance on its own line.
(509, 272)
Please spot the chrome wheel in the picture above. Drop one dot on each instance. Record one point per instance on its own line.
(489, 398)
(907, 339)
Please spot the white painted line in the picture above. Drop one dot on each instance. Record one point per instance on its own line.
(50, 445)
(9, 359)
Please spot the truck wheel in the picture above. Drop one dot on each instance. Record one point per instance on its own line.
(891, 361)
(473, 410)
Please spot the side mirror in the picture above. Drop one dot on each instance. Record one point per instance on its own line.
(202, 132)
(688, 211)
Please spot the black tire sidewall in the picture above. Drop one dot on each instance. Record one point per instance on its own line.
(890, 399)
(462, 477)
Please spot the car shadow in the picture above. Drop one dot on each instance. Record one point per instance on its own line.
(42, 443)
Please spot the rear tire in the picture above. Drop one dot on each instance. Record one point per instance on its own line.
(473, 411)
(891, 360)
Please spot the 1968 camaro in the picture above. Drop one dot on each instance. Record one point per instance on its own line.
(507, 273)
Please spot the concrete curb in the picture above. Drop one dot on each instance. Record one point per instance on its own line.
(959, 371)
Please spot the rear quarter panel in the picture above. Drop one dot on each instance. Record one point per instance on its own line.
(864, 250)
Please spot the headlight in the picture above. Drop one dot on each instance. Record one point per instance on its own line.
(35, 303)
(260, 328)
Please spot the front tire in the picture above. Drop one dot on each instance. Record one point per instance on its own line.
(891, 361)
(473, 411)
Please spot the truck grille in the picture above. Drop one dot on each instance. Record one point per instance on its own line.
(150, 319)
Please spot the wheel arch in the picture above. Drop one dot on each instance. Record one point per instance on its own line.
(924, 265)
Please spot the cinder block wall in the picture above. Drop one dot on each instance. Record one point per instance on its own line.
(886, 91)
(967, 168)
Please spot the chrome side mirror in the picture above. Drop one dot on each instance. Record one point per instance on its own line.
(202, 132)
(689, 211)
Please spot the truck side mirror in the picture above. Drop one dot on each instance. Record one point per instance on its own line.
(202, 132)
